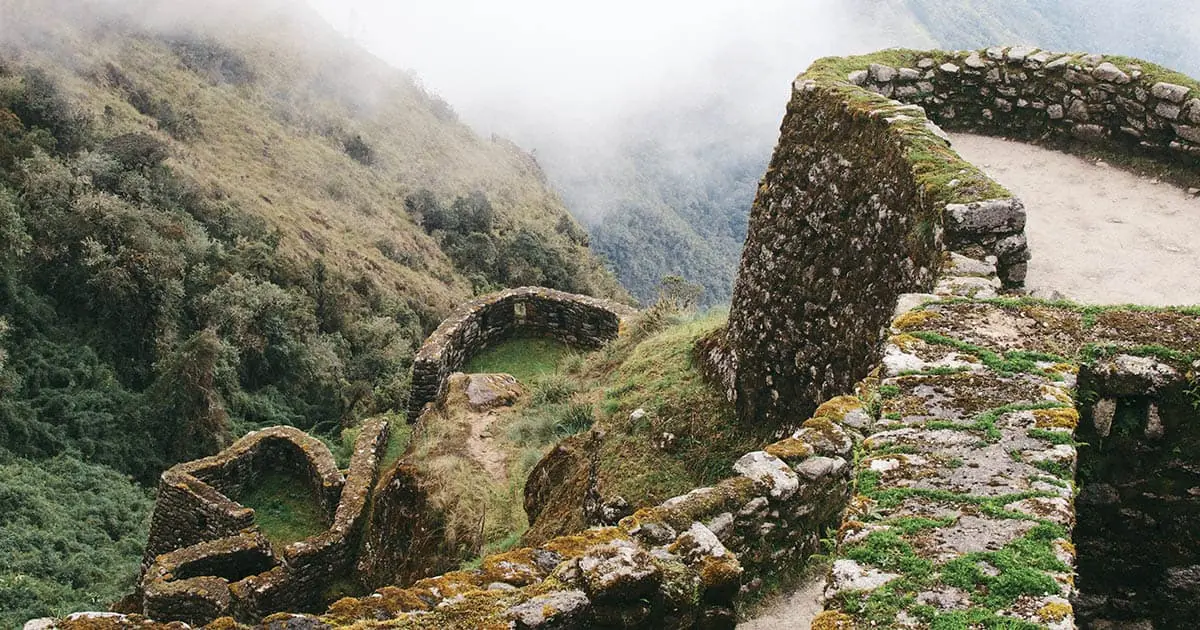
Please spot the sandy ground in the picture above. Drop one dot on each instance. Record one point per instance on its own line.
(793, 612)
(1098, 234)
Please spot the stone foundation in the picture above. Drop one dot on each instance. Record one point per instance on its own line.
(199, 567)
(578, 320)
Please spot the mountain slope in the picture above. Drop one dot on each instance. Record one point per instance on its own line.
(215, 218)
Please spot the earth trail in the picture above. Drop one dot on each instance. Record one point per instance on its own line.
(1098, 234)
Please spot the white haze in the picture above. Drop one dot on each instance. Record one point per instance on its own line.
(576, 83)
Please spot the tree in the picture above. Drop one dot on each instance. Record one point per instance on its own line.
(191, 416)
(474, 213)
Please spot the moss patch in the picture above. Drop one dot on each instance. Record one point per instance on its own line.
(284, 509)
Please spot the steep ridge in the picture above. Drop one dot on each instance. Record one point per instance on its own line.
(214, 218)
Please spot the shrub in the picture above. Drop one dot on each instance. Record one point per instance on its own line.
(137, 150)
(553, 389)
(211, 59)
(358, 149)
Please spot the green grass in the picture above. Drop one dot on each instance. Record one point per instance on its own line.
(284, 509)
(526, 358)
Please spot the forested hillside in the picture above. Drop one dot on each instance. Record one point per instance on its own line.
(211, 220)
(664, 202)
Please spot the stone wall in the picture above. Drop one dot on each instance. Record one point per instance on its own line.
(852, 213)
(1033, 94)
(208, 559)
(682, 564)
(578, 320)
(197, 500)
(1138, 537)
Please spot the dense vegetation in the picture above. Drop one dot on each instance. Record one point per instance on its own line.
(202, 236)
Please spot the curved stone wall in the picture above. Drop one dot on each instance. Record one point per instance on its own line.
(855, 209)
(207, 559)
(578, 320)
(1033, 94)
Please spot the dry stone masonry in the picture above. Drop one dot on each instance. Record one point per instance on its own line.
(579, 320)
(207, 559)
(980, 460)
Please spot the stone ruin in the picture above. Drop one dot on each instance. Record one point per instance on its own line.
(578, 320)
(978, 460)
(206, 558)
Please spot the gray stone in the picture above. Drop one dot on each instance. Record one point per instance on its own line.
(1168, 111)
(960, 265)
(937, 131)
(45, 623)
(1055, 112)
(996, 216)
(1169, 91)
(848, 575)
(1018, 54)
(926, 63)
(1013, 248)
(949, 68)
(698, 543)
(995, 53)
(1102, 416)
(1191, 134)
(618, 571)
(1059, 63)
(1193, 110)
(946, 598)
(558, 610)
(488, 391)
(974, 62)
(814, 468)
(1127, 375)
(501, 586)
(1089, 133)
(1109, 72)
(1078, 111)
(908, 75)
(1091, 59)
(769, 471)
(1038, 60)
(881, 73)
(858, 77)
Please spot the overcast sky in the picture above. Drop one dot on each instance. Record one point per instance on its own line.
(555, 63)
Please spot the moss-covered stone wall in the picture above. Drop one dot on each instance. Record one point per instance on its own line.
(1033, 94)
(1138, 537)
(579, 320)
(208, 559)
(843, 224)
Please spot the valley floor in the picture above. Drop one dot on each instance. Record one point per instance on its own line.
(1098, 234)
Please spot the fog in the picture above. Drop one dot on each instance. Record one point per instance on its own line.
(578, 84)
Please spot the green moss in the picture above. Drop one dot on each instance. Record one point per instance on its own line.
(525, 358)
(284, 508)
(1011, 362)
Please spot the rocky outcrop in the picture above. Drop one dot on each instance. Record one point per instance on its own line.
(578, 320)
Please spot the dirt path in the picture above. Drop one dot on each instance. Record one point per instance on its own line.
(482, 446)
(1098, 234)
(793, 612)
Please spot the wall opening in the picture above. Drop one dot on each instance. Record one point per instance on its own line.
(1138, 510)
